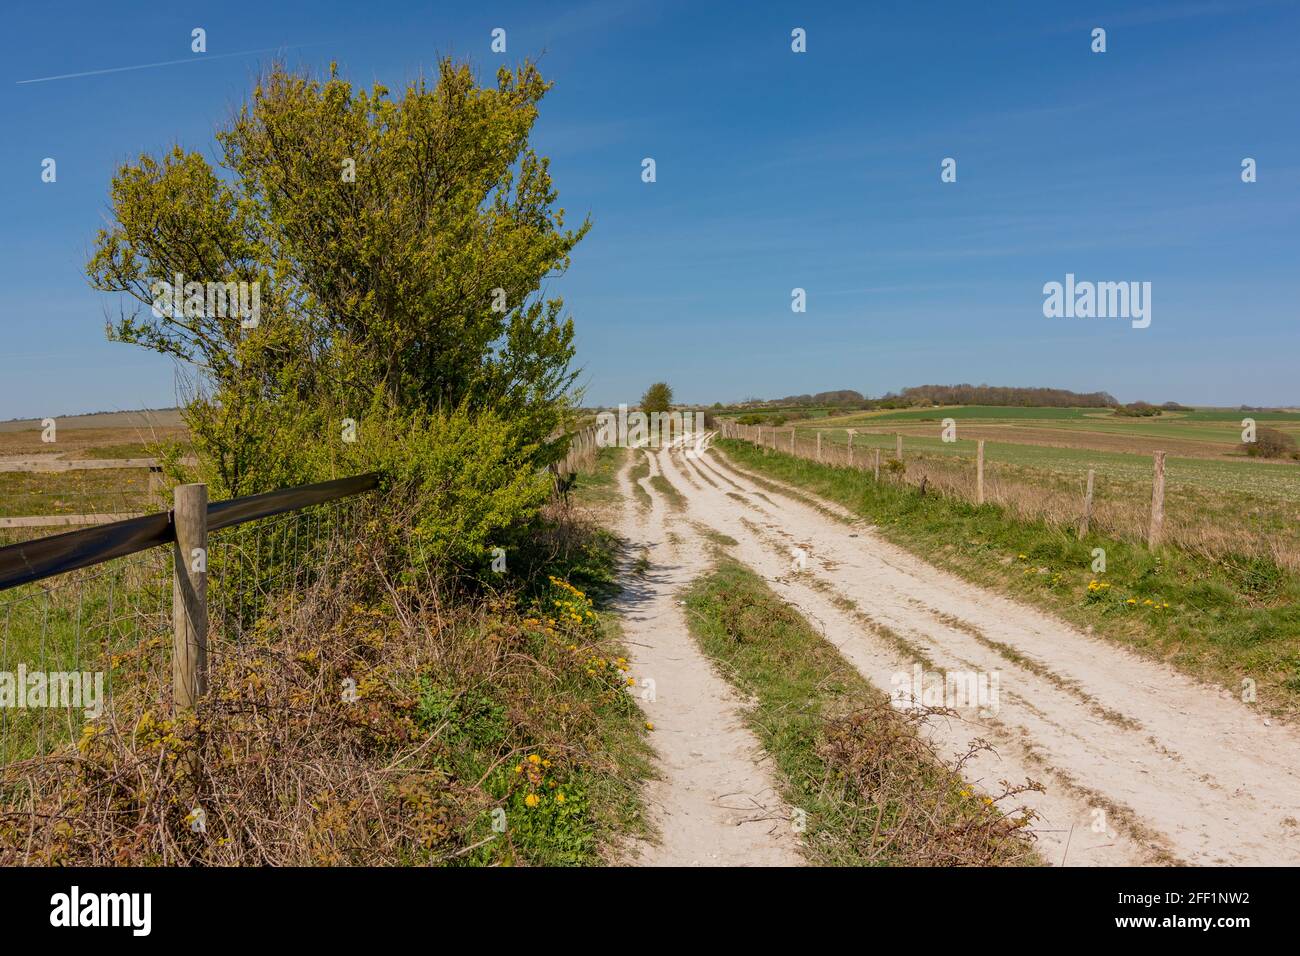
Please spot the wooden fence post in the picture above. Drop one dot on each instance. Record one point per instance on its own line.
(1157, 501)
(877, 464)
(792, 439)
(979, 472)
(190, 596)
(898, 447)
(1087, 506)
(155, 484)
(850, 431)
(819, 444)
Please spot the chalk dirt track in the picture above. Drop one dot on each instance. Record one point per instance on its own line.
(1141, 764)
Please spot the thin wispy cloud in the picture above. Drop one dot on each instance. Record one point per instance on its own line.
(195, 58)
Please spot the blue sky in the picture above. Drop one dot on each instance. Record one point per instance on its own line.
(775, 170)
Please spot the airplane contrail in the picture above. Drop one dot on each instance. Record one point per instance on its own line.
(196, 58)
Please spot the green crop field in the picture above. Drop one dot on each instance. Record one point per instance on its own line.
(1276, 480)
(970, 412)
(999, 413)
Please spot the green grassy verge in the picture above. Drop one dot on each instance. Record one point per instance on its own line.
(665, 487)
(862, 783)
(1224, 620)
(560, 747)
(598, 488)
(641, 469)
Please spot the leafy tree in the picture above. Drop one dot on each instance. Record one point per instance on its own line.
(399, 246)
(657, 398)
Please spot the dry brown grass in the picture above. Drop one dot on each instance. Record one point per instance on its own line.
(287, 771)
(883, 756)
(75, 442)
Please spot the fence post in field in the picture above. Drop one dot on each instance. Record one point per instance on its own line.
(190, 596)
(819, 444)
(979, 472)
(898, 447)
(792, 439)
(1087, 506)
(155, 484)
(1157, 501)
(850, 431)
(877, 464)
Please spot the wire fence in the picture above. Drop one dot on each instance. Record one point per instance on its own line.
(94, 623)
(265, 565)
(1135, 504)
(70, 643)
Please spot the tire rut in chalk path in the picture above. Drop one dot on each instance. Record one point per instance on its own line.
(714, 803)
(1180, 771)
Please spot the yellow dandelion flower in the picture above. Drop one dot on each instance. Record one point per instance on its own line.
(532, 800)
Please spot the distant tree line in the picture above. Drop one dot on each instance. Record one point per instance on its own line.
(922, 396)
(966, 394)
(843, 396)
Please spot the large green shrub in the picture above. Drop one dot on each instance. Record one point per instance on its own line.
(399, 247)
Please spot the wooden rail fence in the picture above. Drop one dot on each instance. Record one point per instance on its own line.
(46, 465)
(185, 527)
